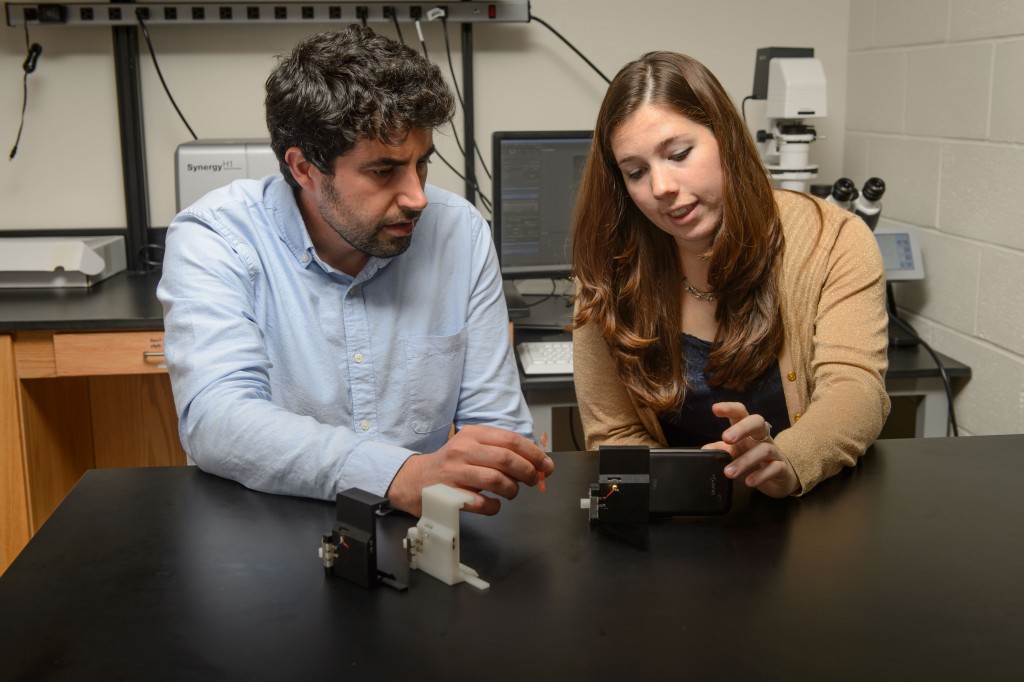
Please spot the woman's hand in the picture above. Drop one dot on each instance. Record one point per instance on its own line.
(748, 440)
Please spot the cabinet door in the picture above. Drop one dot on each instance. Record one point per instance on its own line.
(14, 521)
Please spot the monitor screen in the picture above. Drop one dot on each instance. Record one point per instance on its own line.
(536, 175)
(901, 252)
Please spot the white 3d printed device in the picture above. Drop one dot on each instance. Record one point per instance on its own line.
(433, 543)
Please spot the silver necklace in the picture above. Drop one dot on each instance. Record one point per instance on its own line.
(697, 293)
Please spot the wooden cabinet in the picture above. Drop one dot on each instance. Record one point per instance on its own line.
(71, 402)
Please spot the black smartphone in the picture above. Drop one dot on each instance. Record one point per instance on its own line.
(689, 482)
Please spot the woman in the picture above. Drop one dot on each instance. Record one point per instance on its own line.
(710, 309)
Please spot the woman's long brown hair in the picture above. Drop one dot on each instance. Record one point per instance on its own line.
(628, 271)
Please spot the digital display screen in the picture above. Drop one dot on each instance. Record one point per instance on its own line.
(896, 251)
(901, 252)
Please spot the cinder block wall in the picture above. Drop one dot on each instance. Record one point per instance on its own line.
(935, 107)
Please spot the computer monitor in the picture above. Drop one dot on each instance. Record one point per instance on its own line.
(536, 176)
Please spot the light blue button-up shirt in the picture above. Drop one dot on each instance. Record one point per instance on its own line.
(293, 377)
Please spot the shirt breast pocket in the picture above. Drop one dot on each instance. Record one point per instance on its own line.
(433, 370)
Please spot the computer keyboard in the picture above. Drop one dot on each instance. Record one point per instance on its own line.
(545, 357)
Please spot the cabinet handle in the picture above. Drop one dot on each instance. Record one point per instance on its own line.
(152, 353)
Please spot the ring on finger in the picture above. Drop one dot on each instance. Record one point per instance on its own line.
(767, 433)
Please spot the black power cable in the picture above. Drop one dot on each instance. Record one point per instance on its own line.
(534, 17)
(32, 52)
(152, 53)
(458, 93)
(573, 411)
(743, 107)
(423, 44)
(398, 29)
(488, 206)
(486, 202)
(946, 382)
(548, 296)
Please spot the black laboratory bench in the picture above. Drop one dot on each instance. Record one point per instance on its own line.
(905, 567)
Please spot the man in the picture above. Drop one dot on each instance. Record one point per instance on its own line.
(326, 326)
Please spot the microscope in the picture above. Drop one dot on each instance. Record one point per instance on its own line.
(793, 83)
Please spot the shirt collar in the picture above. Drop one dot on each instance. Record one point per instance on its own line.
(280, 200)
(292, 229)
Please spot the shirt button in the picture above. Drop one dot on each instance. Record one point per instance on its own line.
(305, 258)
(791, 376)
(358, 357)
(365, 425)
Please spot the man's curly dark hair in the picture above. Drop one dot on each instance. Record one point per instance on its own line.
(339, 87)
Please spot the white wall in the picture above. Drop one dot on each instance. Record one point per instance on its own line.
(67, 173)
(935, 107)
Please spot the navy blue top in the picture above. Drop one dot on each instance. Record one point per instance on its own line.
(695, 425)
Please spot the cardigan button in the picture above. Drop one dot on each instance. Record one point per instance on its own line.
(791, 376)
(796, 417)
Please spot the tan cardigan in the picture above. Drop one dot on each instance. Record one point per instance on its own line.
(833, 361)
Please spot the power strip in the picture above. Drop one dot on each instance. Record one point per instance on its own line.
(105, 14)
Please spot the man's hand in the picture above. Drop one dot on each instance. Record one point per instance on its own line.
(477, 459)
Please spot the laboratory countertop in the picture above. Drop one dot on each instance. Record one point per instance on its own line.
(548, 316)
(128, 301)
(123, 301)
